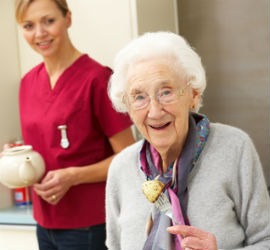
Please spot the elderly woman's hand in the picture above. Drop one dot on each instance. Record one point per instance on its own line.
(194, 238)
(55, 185)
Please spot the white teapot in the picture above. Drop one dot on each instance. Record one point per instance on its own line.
(21, 166)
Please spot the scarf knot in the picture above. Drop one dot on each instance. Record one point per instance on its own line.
(175, 182)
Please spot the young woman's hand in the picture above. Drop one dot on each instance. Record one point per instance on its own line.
(55, 185)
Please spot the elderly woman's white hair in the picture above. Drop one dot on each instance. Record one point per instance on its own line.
(165, 45)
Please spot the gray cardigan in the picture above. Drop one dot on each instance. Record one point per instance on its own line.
(227, 195)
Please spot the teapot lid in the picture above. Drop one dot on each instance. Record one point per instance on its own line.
(17, 150)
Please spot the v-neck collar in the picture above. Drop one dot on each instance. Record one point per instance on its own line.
(67, 73)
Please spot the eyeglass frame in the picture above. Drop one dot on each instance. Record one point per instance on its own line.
(179, 91)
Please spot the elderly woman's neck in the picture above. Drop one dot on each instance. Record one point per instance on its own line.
(168, 158)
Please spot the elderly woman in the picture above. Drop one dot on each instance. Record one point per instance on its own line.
(189, 184)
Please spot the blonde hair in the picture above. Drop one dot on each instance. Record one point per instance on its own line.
(22, 5)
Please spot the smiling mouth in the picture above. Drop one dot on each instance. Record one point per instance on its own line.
(158, 127)
(44, 44)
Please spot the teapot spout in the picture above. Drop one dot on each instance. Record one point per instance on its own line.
(27, 172)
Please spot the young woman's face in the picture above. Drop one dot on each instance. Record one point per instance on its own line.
(45, 28)
(163, 120)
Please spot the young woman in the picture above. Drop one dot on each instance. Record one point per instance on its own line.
(67, 117)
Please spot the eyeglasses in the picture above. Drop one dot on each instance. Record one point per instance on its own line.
(163, 96)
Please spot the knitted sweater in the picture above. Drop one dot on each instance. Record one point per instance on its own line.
(227, 195)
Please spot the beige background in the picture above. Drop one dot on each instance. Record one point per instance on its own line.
(233, 39)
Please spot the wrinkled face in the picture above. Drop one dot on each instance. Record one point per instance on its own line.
(45, 28)
(164, 125)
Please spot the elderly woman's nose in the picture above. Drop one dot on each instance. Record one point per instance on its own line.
(155, 108)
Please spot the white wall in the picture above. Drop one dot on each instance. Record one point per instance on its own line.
(9, 74)
(101, 27)
(9, 82)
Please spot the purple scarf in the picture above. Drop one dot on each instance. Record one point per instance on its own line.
(159, 238)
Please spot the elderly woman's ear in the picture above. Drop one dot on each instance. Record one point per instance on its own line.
(195, 99)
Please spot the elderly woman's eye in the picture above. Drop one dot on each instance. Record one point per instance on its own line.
(139, 97)
(165, 92)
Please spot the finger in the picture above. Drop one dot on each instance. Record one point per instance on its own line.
(187, 231)
(44, 192)
(49, 176)
(196, 243)
(46, 184)
(52, 201)
(193, 243)
(41, 188)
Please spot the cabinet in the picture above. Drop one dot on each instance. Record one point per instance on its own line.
(18, 237)
(17, 229)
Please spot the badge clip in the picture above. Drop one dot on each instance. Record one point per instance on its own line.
(64, 143)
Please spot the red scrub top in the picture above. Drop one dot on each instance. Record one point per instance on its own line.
(79, 100)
